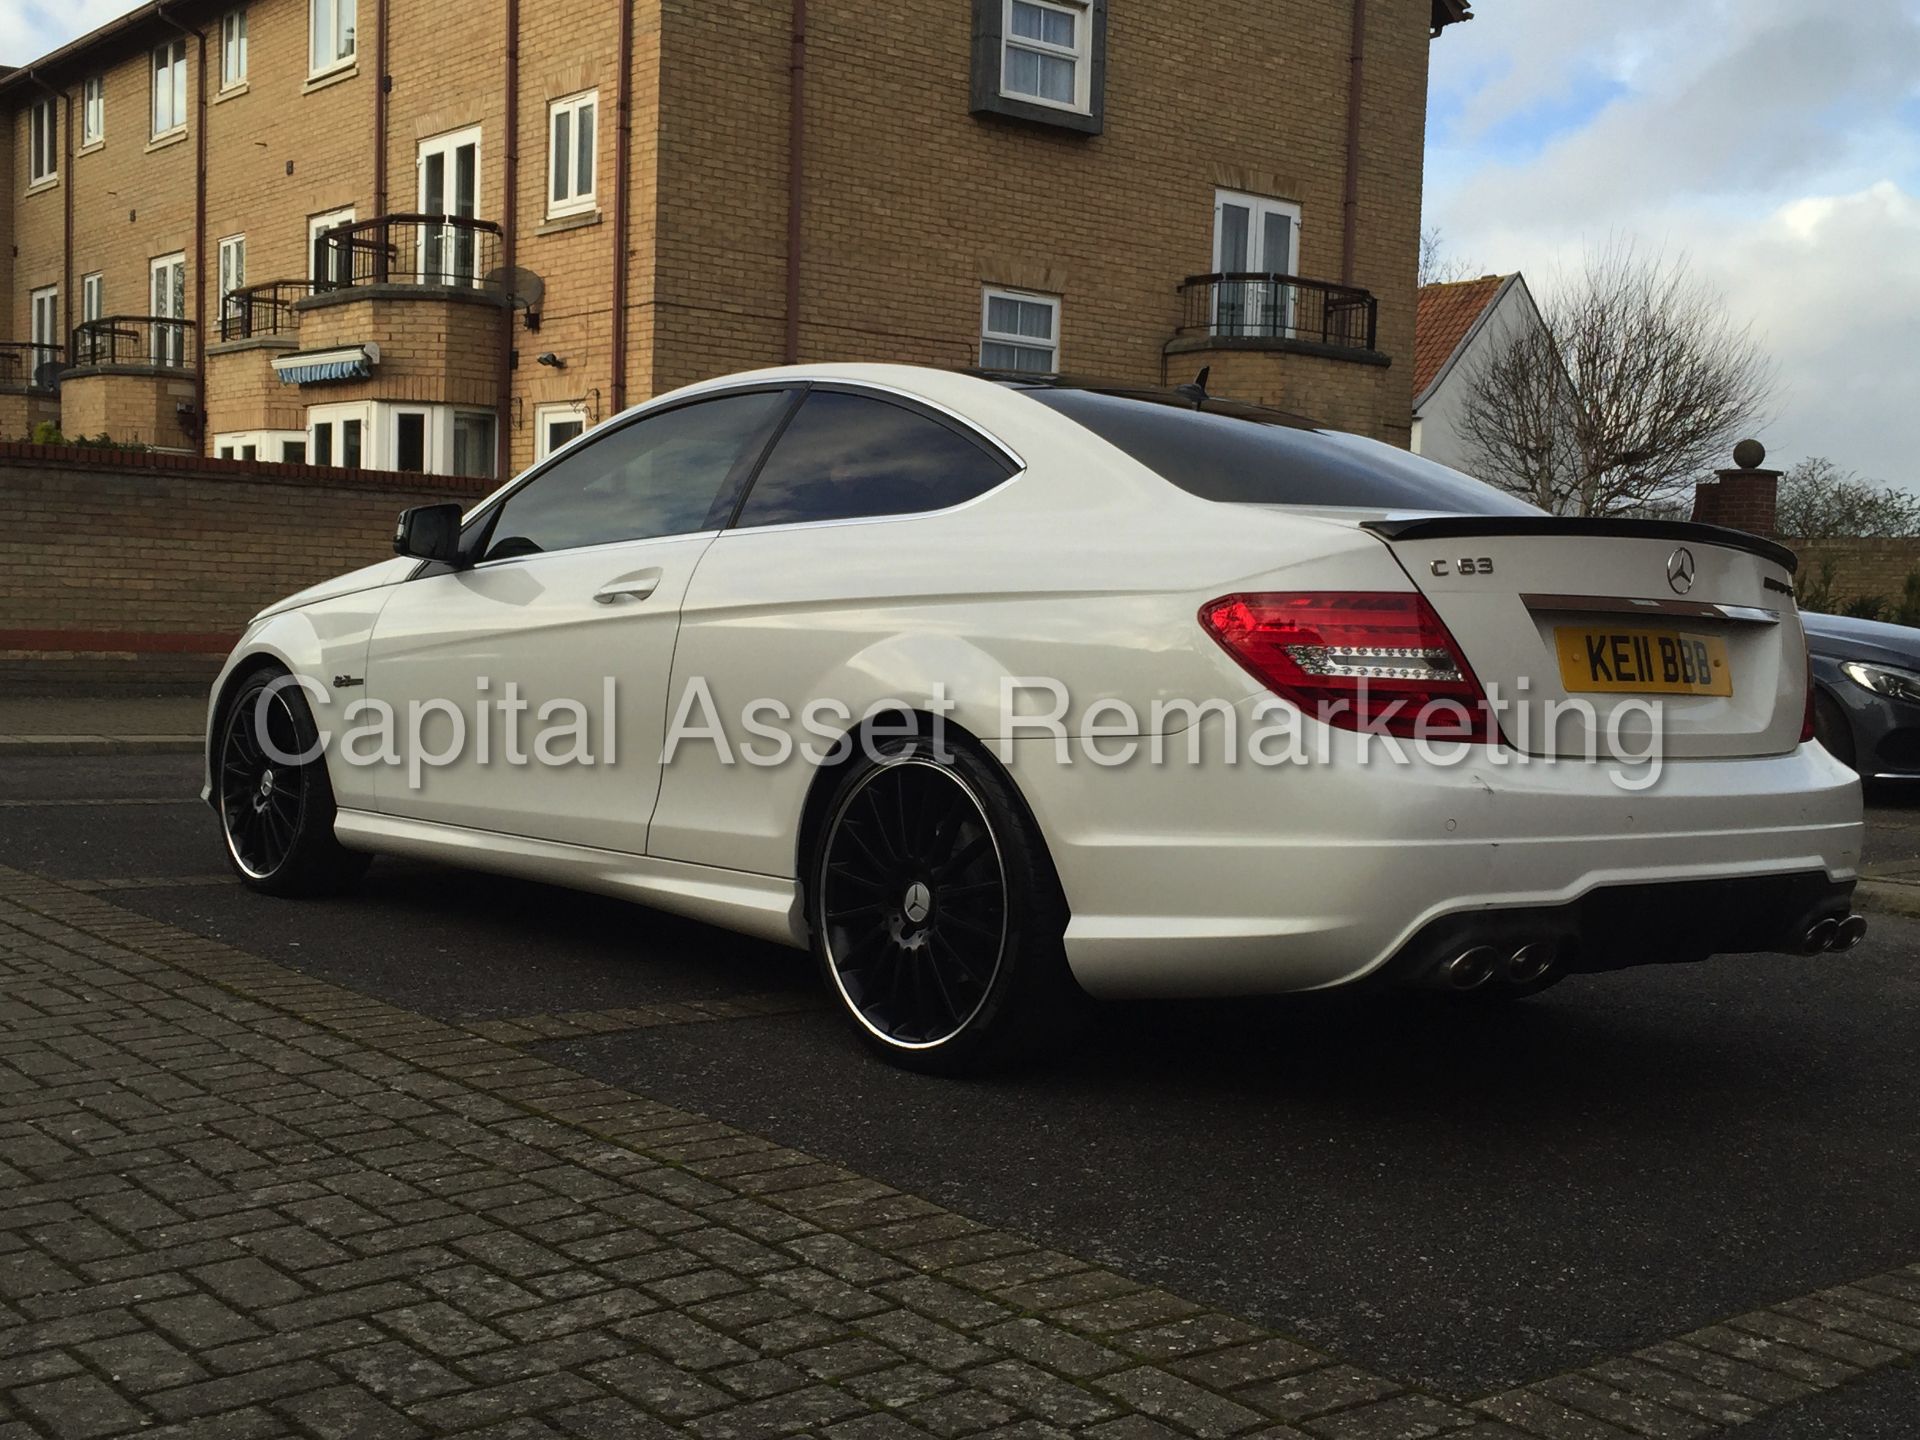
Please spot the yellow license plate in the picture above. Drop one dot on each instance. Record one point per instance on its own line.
(1642, 662)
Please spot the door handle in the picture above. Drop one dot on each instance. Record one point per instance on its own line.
(633, 587)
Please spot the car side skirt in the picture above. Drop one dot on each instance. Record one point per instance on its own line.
(764, 906)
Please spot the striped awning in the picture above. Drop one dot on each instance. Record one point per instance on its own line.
(320, 367)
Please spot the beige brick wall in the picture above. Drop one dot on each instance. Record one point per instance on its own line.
(75, 516)
(913, 203)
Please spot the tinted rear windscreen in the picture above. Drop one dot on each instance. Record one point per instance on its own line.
(1244, 459)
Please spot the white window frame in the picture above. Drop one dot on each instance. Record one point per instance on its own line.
(232, 271)
(546, 416)
(336, 416)
(93, 296)
(332, 39)
(328, 220)
(1080, 53)
(233, 49)
(43, 141)
(168, 343)
(1249, 311)
(93, 110)
(168, 58)
(575, 201)
(268, 445)
(990, 336)
(43, 312)
(446, 255)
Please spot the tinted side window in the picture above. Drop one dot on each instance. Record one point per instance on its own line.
(664, 475)
(1240, 457)
(847, 456)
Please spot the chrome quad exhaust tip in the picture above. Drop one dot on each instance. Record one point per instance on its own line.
(1471, 969)
(1530, 963)
(1848, 933)
(1819, 936)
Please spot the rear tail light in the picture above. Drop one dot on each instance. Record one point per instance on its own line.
(1381, 662)
(1806, 720)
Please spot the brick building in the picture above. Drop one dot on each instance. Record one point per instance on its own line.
(398, 234)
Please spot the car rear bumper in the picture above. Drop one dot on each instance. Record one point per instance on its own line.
(1217, 879)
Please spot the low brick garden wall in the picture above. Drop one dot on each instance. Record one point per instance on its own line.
(134, 572)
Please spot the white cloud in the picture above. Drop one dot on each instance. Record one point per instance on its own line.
(1775, 144)
(31, 28)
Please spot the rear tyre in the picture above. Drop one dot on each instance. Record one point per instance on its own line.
(275, 801)
(935, 913)
(1830, 728)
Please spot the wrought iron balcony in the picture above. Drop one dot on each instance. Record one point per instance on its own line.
(1247, 308)
(134, 341)
(260, 310)
(449, 251)
(29, 368)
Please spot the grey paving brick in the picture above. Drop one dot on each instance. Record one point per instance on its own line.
(1404, 1417)
(1315, 1392)
(347, 1412)
(660, 1387)
(248, 1284)
(142, 1362)
(1053, 1348)
(473, 1408)
(1238, 1365)
(610, 1418)
(1206, 1331)
(1756, 1382)
(78, 1408)
(1820, 1339)
(199, 1322)
(1811, 1367)
(1638, 1413)
(1724, 1407)
(1535, 1414)
(232, 1392)
(1181, 1403)
(397, 1372)
(439, 1329)
(900, 1386)
(959, 1411)
(1036, 1392)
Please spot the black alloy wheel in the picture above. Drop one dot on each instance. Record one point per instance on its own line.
(271, 789)
(934, 910)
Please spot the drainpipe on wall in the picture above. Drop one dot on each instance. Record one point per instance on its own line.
(796, 173)
(1356, 85)
(509, 212)
(199, 225)
(382, 82)
(623, 107)
(66, 218)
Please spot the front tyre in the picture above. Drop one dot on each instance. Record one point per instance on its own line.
(271, 789)
(935, 914)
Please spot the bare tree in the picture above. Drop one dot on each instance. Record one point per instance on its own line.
(1437, 266)
(1820, 501)
(1636, 383)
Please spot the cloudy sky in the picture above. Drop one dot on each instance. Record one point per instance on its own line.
(1774, 143)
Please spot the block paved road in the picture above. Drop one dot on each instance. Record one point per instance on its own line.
(457, 1153)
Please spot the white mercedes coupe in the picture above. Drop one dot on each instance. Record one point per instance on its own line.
(1001, 691)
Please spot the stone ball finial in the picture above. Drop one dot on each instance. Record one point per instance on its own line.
(1749, 454)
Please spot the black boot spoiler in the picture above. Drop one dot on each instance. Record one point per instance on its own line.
(1447, 527)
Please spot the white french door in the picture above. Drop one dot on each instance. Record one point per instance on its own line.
(43, 358)
(169, 302)
(1258, 237)
(449, 185)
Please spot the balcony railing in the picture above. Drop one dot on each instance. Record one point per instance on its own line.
(455, 251)
(263, 309)
(157, 340)
(30, 367)
(1247, 306)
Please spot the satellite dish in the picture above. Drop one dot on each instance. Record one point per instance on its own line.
(524, 289)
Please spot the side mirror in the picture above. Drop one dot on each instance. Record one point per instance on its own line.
(429, 532)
